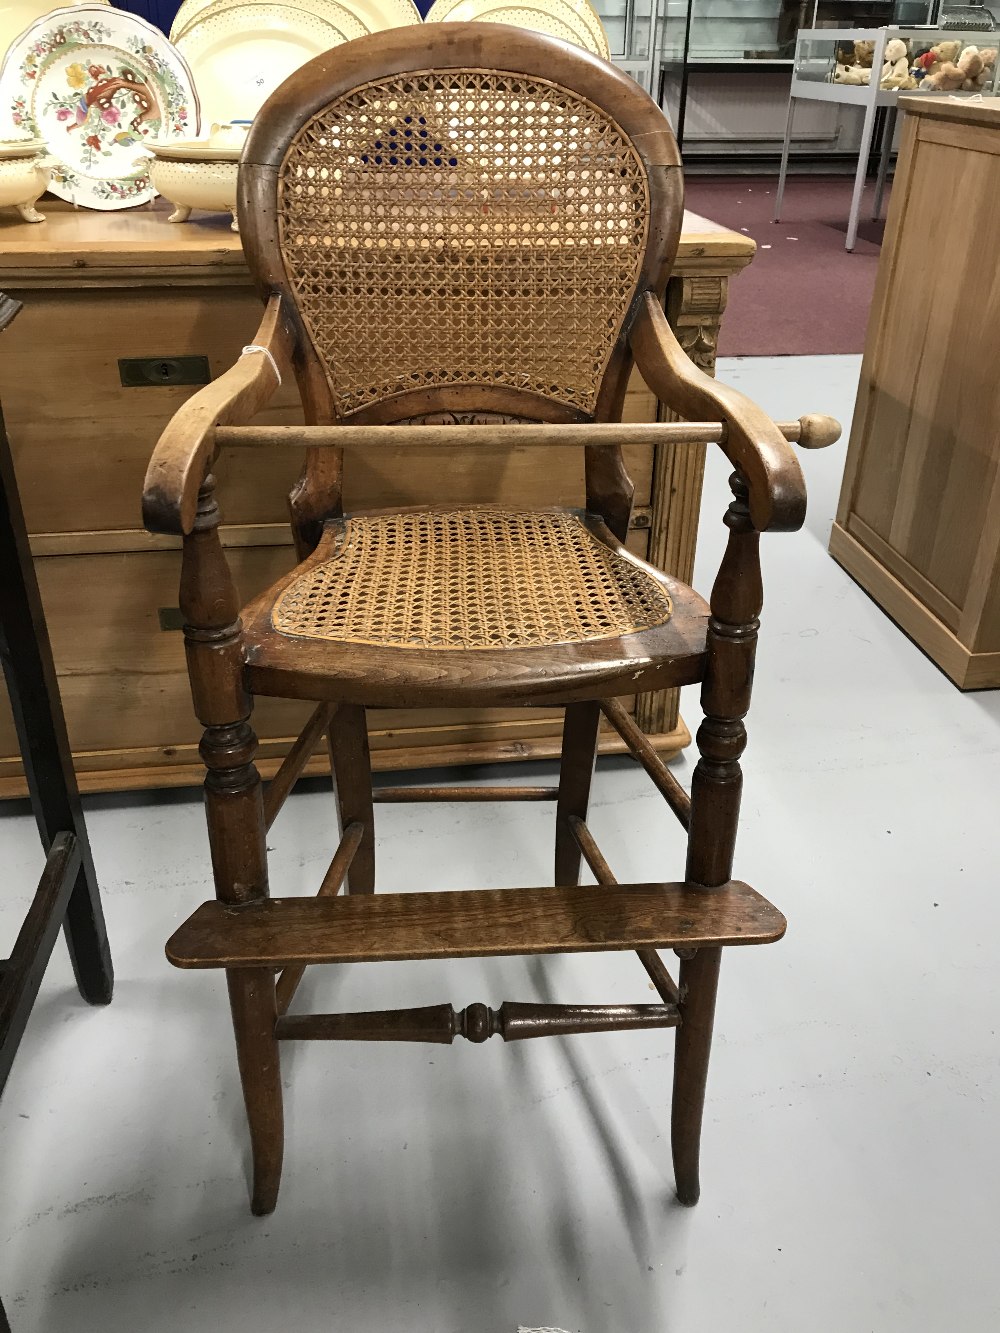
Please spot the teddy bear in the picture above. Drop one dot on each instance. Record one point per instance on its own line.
(988, 55)
(950, 75)
(850, 74)
(945, 77)
(896, 66)
(970, 62)
(854, 62)
(929, 64)
(924, 61)
(947, 50)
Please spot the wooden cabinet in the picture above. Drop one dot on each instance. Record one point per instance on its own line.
(101, 287)
(919, 518)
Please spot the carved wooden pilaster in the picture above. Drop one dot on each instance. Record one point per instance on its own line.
(695, 305)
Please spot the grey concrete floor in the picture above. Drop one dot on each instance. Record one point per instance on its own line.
(851, 1167)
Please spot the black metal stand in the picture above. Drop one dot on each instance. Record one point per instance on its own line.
(67, 894)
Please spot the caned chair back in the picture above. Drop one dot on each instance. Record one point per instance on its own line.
(462, 218)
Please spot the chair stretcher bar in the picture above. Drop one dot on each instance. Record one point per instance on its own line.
(810, 432)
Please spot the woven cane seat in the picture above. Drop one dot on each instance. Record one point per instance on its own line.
(459, 604)
(475, 578)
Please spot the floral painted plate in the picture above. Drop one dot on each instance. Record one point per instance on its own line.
(96, 83)
(16, 15)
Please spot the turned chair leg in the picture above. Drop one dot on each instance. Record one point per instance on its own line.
(252, 1000)
(716, 789)
(234, 808)
(698, 983)
(351, 768)
(576, 770)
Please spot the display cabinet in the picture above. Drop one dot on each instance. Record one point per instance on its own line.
(628, 24)
(828, 56)
(886, 62)
(745, 33)
(706, 48)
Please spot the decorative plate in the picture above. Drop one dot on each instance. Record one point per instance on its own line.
(334, 12)
(17, 15)
(558, 18)
(95, 83)
(375, 15)
(591, 20)
(545, 16)
(239, 56)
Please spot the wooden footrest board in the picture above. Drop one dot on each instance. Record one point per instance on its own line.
(473, 923)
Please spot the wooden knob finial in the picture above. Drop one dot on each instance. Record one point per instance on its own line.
(816, 431)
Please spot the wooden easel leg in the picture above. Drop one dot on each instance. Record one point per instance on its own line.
(252, 1000)
(698, 983)
(87, 938)
(576, 770)
(21, 974)
(41, 729)
(350, 764)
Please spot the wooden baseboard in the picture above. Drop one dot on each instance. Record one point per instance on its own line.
(969, 670)
(114, 778)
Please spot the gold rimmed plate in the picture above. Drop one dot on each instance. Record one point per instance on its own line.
(241, 54)
(571, 21)
(375, 15)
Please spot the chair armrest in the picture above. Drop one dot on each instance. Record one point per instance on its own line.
(753, 443)
(185, 450)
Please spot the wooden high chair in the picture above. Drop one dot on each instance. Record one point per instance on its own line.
(462, 234)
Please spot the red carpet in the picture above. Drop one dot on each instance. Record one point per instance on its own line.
(804, 294)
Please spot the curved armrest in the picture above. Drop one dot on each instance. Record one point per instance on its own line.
(185, 450)
(753, 443)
